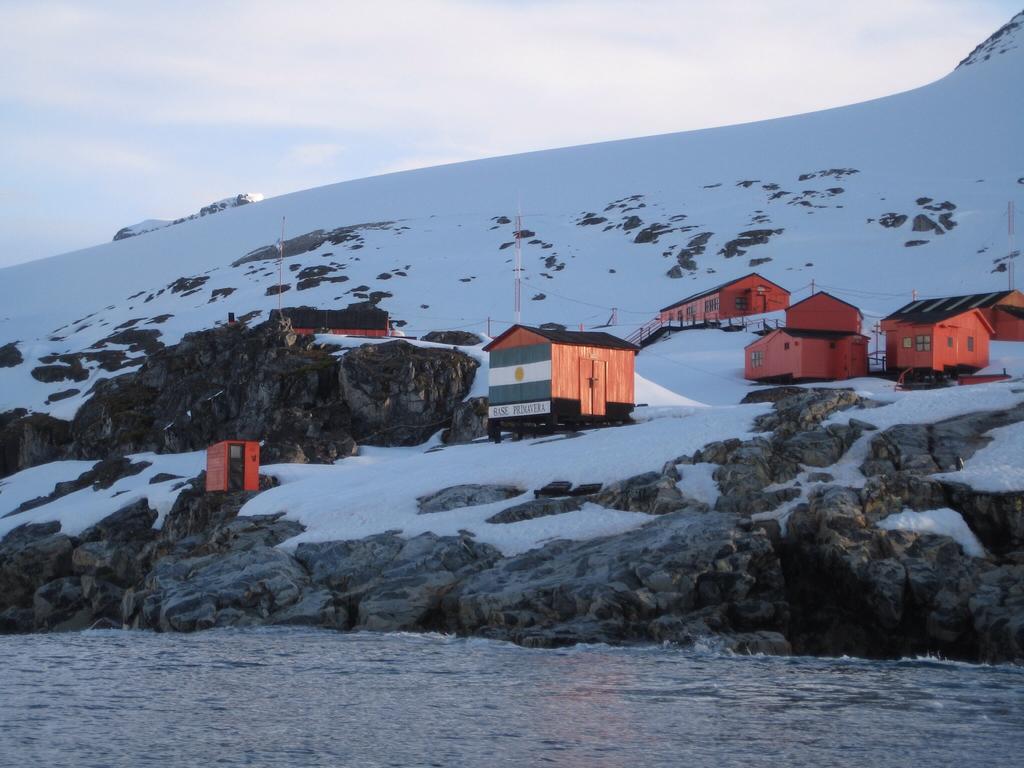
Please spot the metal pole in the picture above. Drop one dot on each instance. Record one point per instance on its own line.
(280, 262)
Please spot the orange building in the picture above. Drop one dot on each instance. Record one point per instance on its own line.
(821, 341)
(553, 376)
(748, 295)
(948, 335)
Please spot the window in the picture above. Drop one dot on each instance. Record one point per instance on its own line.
(907, 342)
(923, 343)
(786, 345)
(970, 343)
(756, 359)
(690, 310)
(949, 342)
(831, 345)
(711, 305)
(741, 303)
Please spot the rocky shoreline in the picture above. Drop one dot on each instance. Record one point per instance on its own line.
(825, 581)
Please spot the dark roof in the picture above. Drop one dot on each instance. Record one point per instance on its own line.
(361, 318)
(717, 288)
(576, 338)
(801, 333)
(825, 293)
(935, 310)
(1011, 310)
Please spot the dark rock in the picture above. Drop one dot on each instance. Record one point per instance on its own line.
(651, 493)
(923, 223)
(64, 394)
(132, 523)
(10, 355)
(60, 605)
(738, 246)
(465, 496)
(163, 477)
(29, 440)
(672, 578)
(996, 518)
(469, 421)
(265, 383)
(50, 374)
(892, 220)
(913, 243)
(393, 584)
(535, 508)
(454, 338)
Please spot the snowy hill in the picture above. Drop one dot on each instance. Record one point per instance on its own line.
(872, 201)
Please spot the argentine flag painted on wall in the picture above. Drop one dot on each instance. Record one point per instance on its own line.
(520, 375)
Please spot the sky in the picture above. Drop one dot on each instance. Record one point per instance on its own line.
(114, 112)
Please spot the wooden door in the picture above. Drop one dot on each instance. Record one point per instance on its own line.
(586, 386)
(599, 388)
(593, 387)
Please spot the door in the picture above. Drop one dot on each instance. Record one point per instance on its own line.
(236, 467)
(593, 387)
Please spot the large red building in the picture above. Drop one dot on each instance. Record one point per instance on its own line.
(949, 335)
(355, 320)
(821, 341)
(748, 295)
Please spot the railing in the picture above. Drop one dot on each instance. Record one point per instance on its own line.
(645, 331)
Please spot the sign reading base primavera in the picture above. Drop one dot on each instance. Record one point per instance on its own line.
(519, 409)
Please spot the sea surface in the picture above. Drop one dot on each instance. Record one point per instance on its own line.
(318, 698)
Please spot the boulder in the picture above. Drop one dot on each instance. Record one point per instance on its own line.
(543, 507)
(454, 338)
(469, 495)
(61, 605)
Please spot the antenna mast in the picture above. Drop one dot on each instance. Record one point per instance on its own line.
(280, 262)
(518, 269)
(1010, 233)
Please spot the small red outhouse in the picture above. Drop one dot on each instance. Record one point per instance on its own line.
(948, 335)
(233, 465)
(821, 341)
(748, 295)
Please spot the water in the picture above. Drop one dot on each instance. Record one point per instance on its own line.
(311, 698)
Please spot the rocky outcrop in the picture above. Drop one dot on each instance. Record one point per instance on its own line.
(302, 401)
(680, 577)
(27, 440)
(469, 421)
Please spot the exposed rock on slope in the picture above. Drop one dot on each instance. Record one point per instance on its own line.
(264, 383)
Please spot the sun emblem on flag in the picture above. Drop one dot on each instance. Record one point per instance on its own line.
(520, 373)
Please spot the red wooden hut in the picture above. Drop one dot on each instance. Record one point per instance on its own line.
(821, 341)
(233, 465)
(550, 376)
(948, 335)
(748, 295)
(355, 320)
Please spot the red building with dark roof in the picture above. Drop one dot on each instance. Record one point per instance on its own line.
(821, 341)
(751, 294)
(948, 335)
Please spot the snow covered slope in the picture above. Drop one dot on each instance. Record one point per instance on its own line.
(871, 201)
